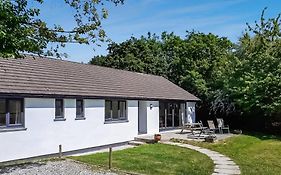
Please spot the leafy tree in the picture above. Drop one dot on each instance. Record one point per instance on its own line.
(143, 55)
(196, 61)
(253, 78)
(22, 30)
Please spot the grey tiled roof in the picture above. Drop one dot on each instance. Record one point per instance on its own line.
(53, 77)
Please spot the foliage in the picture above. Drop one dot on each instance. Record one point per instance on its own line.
(140, 55)
(253, 78)
(196, 62)
(22, 30)
(255, 153)
(154, 159)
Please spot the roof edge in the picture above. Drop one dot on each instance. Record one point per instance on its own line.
(27, 95)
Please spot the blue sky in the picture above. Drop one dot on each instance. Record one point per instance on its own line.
(137, 17)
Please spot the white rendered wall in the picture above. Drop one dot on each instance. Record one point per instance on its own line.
(183, 117)
(152, 117)
(44, 135)
(190, 112)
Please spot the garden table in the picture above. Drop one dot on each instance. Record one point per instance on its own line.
(194, 127)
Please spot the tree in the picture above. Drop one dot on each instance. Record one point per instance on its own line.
(195, 62)
(143, 55)
(21, 29)
(253, 78)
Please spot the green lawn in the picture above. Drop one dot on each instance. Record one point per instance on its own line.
(255, 154)
(154, 159)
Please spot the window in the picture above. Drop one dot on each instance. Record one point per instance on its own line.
(115, 110)
(11, 113)
(59, 111)
(108, 110)
(79, 109)
(122, 110)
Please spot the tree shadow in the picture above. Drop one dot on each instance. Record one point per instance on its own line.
(263, 136)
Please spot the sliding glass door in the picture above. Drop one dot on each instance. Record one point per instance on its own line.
(170, 114)
(177, 116)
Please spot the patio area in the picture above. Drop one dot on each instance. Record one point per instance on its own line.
(186, 135)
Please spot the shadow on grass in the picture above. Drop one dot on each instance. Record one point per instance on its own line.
(263, 136)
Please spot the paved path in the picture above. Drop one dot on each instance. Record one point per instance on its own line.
(223, 164)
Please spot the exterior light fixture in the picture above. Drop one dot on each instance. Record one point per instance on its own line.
(151, 106)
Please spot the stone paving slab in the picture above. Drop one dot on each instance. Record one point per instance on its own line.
(227, 171)
(224, 162)
(223, 165)
(227, 167)
(220, 158)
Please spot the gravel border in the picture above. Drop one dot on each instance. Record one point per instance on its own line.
(53, 167)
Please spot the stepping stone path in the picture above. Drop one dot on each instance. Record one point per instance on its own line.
(223, 164)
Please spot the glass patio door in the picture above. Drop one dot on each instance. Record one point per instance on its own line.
(176, 115)
(169, 115)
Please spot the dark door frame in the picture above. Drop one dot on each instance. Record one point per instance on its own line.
(161, 118)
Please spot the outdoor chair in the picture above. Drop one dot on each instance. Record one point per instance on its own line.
(221, 125)
(212, 126)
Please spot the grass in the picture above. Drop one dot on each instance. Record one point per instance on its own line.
(255, 154)
(154, 159)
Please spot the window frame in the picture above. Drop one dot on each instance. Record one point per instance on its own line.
(119, 110)
(62, 117)
(80, 116)
(110, 109)
(120, 118)
(8, 126)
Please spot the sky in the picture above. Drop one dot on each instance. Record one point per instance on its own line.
(226, 18)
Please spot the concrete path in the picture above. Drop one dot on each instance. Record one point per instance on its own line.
(223, 164)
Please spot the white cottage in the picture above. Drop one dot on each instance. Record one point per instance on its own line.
(47, 102)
